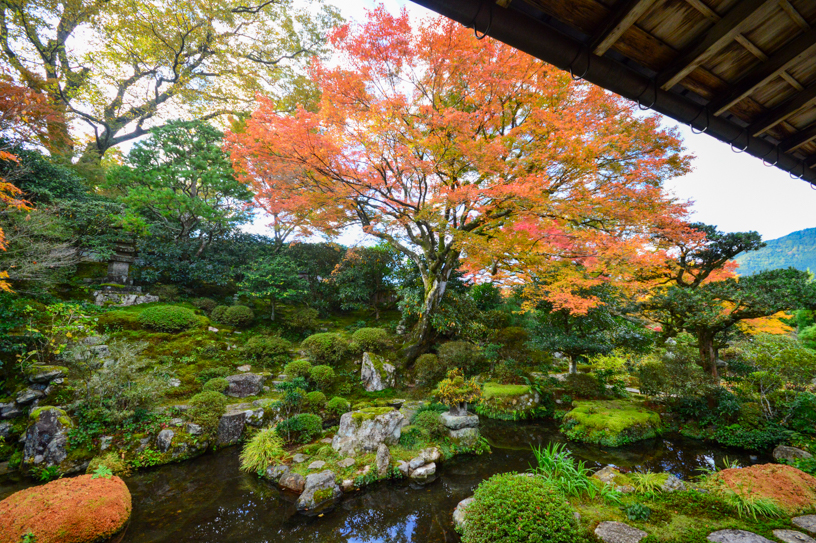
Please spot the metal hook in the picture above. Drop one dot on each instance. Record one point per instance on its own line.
(580, 77)
(765, 163)
(691, 123)
(653, 84)
(801, 175)
(747, 141)
(489, 21)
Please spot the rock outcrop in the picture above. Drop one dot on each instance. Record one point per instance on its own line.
(319, 489)
(375, 373)
(364, 430)
(47, 437)
(244, 384)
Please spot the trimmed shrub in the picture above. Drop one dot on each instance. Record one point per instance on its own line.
(268, 349)
(371, 339)
(167, 318)
(239, 316)
(338, 406)
(298, 368)
(265, 448)
(431, 422)
(206, 409)
(302, 428)
(582, 385)
(325, 348)
(219, 384)
(218, 312)
(204, 304)
(211, 373)
(322, 376)
(513, 508)
(428, 370)
(462, 355)
(315, 401)
(301, 319)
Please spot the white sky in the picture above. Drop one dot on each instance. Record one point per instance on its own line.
(733, 191)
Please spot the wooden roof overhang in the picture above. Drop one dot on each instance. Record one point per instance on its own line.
(742, 71)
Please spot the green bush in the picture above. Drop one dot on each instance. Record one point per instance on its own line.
(211, 373)
(302, 428)
(582, 385)
(206, 409)
(167, 318)
(428, 370)
(431, 422)
(512, 508)
(219, 384)
(204, 304)
(218, 312)
(315, 401)
(412, 436)
(166, 293)
(326, 348)
(371, 339)
(322, 376)
(268, 349)
(239, 316)
(462, 355)
(301, 320)
(338, 406)
(298, 368)
(264, 449)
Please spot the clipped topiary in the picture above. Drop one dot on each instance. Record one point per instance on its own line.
(432, 423)
(322, 376)
(219, 384)
(267, 349)
(239, 316)
(338, 406)
(315, 401)
(371, 339)
(514, 508)
(217, 314)
(167, 318)
(297, 368)
(326, 348)
(264, 449)
(206, 409)
(302, 428)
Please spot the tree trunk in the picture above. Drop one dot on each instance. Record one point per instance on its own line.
(272, 316)
(708, 354)
(423, 331)
(573, 365)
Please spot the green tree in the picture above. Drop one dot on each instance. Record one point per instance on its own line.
(363, 277)
(147, 58)
(181, 185)
(273, 278)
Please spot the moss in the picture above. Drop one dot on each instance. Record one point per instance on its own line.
(62, 415)
(610, 423)
(34, 370)
(506, 402)
(369, 413)
(495, 390)
(322, 495)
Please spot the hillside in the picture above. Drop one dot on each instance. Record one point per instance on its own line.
(797, 250)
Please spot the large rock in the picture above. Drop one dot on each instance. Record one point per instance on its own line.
(46, 438)
(71, 510)
(165, 439)
(453, 422)
(460, 512)
(5, 429)
(123, 299)
(672, 484)
(375, 373)
(29, 395)
(230, 428)
(274, 473)
(792, 536)
(10, 410)
(383, 460)
(466, 437)
(292, 481)
(364, 430)
(805, 522)
(45, 374)
(244, 384)
(618, 532)
(789, 454)
(423, 473)
(319, 489)
(736, 536)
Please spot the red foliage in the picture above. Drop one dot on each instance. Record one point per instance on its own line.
(792, 489)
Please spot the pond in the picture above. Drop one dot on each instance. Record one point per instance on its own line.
(208, 500)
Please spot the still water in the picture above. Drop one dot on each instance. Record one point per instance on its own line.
(208, 500)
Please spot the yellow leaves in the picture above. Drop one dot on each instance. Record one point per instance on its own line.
(773, 325)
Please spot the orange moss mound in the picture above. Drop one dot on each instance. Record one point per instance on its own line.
(792, 489)
(75, 510)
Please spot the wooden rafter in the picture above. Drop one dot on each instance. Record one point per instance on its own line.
(794, 51)
(721, 34)
(797, 140)
(626, 16)
(788, 8)
(786, 109)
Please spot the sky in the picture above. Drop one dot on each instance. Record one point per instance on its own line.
(733, 191)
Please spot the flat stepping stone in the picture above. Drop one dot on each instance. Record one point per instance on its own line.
(792, 536)
(299, 458)
(618, 532)
(807, 523)
(737, 536)
(317, 464)
(345, 463)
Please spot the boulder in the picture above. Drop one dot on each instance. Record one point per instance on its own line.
(243, 385)
(611, 476)
(274, 473)
(193, 429)
(230, 428)
(71, 510)
(10, 410)
(319, 489)
(423, 473)
(45, 374)
(672, 484)
(792, 536)
(404, 468)
(47, 437)
(788, 454)
(618, 532)
(123, 299)
(29, 395)
(375, 373)
(165, 439)
(5, 429)
(736, 536)
(383, 460)
(508, 402)
(611, 423)
(453, 422)
(459, 513)
(805, 522)
(292, 481)
(466, 437)
(364, 430)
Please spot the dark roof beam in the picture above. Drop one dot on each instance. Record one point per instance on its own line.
(626, 16)
(786, 109)
(795, 50)
(721, 34)
(794, 142)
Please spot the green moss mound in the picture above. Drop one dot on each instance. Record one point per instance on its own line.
(507, 402)
(167, 318)
(218, 384)
(513, 508)
(369, 413)
(371, 339)
(326, 348)
(610, 423)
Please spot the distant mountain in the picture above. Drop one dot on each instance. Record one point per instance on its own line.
(796, 250)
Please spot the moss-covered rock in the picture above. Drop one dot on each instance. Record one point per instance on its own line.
(507, 402)
(610, 423)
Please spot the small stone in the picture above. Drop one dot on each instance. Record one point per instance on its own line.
(105, 442)
(165, 439)
(673, 484)
(403, 467)
(176, 422)
(29, 395)
(245, 368)
(174, 383)
(326, 440)
(347, 485)
(212, 329)
(292, 481)
(299, 458)
(736, 536)
(783, 452)
(416, 462)
(792, 536)
(193, 429)
(317, 464)
(431, 454)
(423, 473)
(345, 463)
(618, 532)
(459, 512)
(806, 522)
(274, 473)
(383, 460)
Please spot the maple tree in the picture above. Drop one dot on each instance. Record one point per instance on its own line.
(453, 149)
(116, 66)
